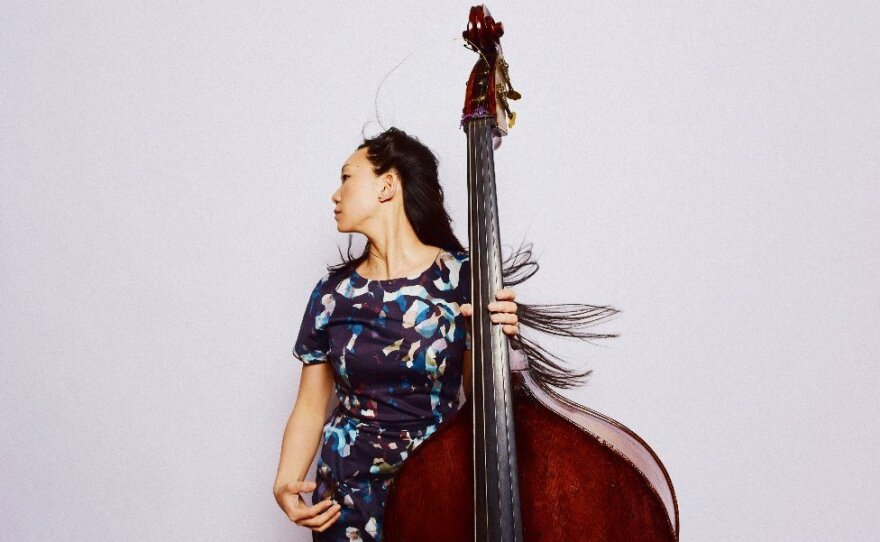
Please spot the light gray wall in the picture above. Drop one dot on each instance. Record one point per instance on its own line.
(711, 169)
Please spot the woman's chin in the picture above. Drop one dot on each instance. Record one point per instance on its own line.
(342, 226)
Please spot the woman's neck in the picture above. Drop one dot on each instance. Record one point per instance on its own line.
(397, 258)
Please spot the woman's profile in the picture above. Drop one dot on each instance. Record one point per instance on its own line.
(388, 331)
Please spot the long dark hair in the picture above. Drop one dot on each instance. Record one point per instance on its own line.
(422, 194)
(426, 211)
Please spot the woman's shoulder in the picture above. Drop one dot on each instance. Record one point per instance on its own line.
(324, 285)
(456, 260)
(460, 256)
(455, 270)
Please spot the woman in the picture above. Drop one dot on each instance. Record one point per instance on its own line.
(390, 329)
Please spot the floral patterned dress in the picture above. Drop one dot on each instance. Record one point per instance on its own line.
(396, 349)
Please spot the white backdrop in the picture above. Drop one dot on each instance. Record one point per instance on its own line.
(710, 169)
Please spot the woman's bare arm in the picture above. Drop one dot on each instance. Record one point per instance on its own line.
(302, 435)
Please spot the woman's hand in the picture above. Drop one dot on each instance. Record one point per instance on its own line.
(503, 311)
(317, 517)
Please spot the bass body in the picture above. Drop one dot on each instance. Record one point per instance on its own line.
(583, 477)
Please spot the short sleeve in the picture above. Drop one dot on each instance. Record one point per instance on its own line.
(313, 342)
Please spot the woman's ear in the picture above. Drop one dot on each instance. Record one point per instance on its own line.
(389, 186)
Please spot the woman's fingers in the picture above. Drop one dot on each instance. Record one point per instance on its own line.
(330, 521)
(505, 294)
(317, 517)
(294, 506)
(502, 311)
(284, 492)
(504, 318)
(510, 321)
(321, 519)
(505, 303)
(502, 306)
(495, 306)
(288, 498)
(303, 513)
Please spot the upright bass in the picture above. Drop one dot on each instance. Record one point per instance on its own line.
(519, 461)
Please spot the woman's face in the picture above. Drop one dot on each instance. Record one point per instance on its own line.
(357, 198)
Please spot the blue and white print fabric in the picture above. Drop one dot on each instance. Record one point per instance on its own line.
(396, 349)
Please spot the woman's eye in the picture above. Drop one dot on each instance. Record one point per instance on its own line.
(344, 177)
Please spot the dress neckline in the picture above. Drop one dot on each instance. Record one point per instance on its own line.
(415, 276)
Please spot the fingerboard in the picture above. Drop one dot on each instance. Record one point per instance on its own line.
(496, 486)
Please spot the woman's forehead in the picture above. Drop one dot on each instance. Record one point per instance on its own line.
(359, 156)
(356, 160)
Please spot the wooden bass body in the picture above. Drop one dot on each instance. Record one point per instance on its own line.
(583, 477)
